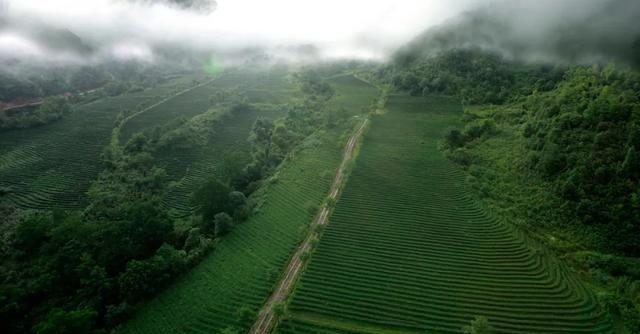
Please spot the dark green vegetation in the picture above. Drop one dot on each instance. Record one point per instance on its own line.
(52, 166)
(474, 76)
(556, 157)
(229, 286)
(78, 271)
(167, 172)
(49, 111)
(227, 289)
(33, 82)
(598, 31)
(408, 251)
(125, 178)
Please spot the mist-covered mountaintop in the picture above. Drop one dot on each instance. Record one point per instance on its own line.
(548, 31)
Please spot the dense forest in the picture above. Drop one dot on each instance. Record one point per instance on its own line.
(573, 130)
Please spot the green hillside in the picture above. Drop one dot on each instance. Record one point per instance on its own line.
(408, 251)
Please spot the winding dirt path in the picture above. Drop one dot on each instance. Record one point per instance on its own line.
(267, 316)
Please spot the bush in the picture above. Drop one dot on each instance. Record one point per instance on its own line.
(461, 156)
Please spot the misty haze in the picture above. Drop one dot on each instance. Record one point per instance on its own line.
(319, 167)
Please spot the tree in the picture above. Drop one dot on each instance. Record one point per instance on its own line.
(631, 164)
(193, 239)
(138, 279)
(454, 139)
(479, 325)
(211, 198)
(238, 204)
(245, 317)
(223, 224)
(59, 321)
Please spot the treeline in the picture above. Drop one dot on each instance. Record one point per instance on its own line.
(475, 76)
(575, 129)
(581, 125)
(86, 272)
(272, 141)
(27, 83)
(52, 109)
(584, 136)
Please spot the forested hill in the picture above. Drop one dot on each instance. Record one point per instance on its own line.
(553, 146)
(581, 126)
(575, 32)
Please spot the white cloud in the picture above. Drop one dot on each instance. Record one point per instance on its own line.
(16, 45)
(343, 28)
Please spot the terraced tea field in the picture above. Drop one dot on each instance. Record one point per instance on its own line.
(187, 105)
(53, 165)
(406, 251)
(246, 264)
(351, 94)
(192, 166)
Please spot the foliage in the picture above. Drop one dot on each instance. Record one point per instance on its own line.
(578, 143)
(583, 138)
(59, 321)
(479, 325)
(406, 238)
(271, 140)
(250, 258)
(212, 198)
(52, 109)
(120, 251)
(312, 84)
(475, 76)
(86, 271)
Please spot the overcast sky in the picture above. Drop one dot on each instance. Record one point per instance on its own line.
(363, 29)
(340, 28)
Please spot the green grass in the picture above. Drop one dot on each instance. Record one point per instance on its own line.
(247, 263)
(407, 250)
(52, 165)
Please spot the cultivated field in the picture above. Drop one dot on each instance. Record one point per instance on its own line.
(191, 166)
(246, 264)
(351, 94)
(406, 251)
(236, 279)
(52, 165)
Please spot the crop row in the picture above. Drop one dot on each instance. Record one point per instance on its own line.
(246, 264)
(407, 248)
(52, 165)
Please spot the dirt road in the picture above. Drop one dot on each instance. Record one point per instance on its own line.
(267, 317)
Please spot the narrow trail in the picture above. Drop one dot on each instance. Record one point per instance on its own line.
(115, 134)
(267, 317)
